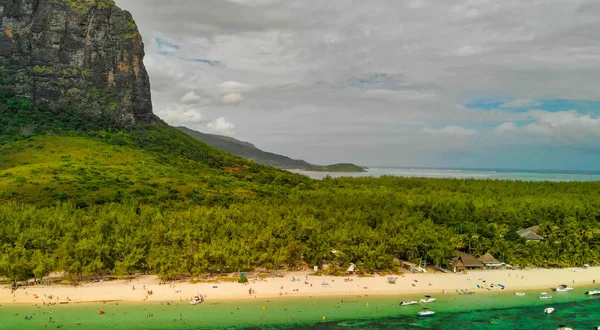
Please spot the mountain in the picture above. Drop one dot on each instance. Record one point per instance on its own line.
(84, 55)
(249, 151)
(246, 150)
(76, 119)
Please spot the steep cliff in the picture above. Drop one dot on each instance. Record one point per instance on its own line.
(85, 56)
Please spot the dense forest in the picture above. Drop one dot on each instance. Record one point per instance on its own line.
(82, 198)
(372, 222)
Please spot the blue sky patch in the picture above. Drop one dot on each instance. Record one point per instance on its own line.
(206, 61)
(550, 105)
(166, 47)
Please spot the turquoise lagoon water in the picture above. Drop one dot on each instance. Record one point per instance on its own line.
(483, 174)
(479, 311)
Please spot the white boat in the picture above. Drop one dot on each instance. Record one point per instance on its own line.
(426, 313)
(562, 327)
(593, 293)
(544, 295)
(549, 310)
(197, 300)
(519, 293)
(562, 288)
(427, 300)
(408, 303)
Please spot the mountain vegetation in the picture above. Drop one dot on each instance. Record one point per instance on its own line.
(250, 151)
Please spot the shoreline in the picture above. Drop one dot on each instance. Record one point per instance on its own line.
(408, 285)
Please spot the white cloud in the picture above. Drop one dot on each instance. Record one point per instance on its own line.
(451, 130)
(520, 103)
(508, 127)
(234, 87)
(221, 126)
(190, 98)
(181, 115)
(467, 51)
(232, 98)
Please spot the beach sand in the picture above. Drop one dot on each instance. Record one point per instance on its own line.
(408, 284)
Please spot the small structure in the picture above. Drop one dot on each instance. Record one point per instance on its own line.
(530, 234)
(489, 261)
(457, 266)
(413, 268)
(351, 268)
(469, 261)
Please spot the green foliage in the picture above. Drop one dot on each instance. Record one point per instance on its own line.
(370, 222)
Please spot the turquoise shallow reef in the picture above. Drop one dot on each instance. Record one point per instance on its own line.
(479, 311)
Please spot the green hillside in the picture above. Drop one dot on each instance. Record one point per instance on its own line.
(246, 150)
(249, 151)
(55, 155)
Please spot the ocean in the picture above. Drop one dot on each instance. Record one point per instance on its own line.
(482, 174)
(478, 311)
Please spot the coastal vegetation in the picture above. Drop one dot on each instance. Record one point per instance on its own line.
(370, 222)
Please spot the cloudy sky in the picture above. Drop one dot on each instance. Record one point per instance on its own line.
(438, 83)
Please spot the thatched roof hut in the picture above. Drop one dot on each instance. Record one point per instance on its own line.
(458, 266)
(469, 261)
(488, 259)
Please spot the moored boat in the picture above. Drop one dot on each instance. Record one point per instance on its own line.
(549, 310)
(562, 288)
(544, 295)
(426, 313)
(408, 303)
(197, 300)
(593, 292)
(519, 293)
(563, 327)
(427, 299)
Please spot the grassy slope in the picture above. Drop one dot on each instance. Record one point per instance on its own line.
(148, 167)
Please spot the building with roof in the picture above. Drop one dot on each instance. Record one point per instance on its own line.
(488, 260)
(530, 234)
(469, 261)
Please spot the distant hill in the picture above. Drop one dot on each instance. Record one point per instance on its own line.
(249, 151)
(343, 167)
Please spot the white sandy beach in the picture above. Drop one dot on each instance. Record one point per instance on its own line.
(409, 285)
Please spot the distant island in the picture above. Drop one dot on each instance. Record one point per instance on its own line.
(343, 167)
(250, 151)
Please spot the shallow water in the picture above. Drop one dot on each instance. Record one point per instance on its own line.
(483, 174)
(479, 311)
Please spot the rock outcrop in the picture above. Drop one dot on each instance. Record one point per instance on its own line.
(82, 55)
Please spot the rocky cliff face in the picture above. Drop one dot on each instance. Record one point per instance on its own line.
(83, 55)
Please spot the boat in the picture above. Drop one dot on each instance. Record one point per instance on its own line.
(426, 313)
(593, 293)
(427, 299)
(562, 288)
(519, 294)
(544, 295)
(408, 303)
(197, 300)
(563, 327)
(549, 310)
